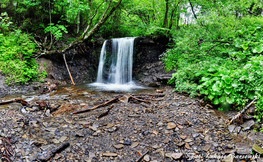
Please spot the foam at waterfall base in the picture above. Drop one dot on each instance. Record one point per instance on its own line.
(115, 87)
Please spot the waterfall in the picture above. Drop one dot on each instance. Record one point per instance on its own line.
(121, 60)
(101, 62)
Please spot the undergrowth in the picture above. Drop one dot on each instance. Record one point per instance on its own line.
(16, 55)
(223, 62)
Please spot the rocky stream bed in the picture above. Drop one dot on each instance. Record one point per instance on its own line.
(160, 127)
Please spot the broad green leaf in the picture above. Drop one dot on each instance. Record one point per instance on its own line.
(229, 100)
(258, 49)
(216, 101)
(227, 79)
(211, 97)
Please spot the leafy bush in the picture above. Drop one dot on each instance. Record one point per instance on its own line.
(16, 62)
(226, 69)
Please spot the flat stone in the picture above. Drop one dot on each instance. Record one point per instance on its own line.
(248, 124)
(171, 125)
(206, 147)
(168, 155)
(257, 149)
(176, 156)
(231, 128)
(188, 140)
(166, 140)
(134, 144)
(62, 139)
(109, 154)
(93, 128)
(183, 137)
(195, 135)
(118, 146)
(79, 134)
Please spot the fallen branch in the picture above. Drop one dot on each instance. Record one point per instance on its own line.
(52, 153)
(140, 158)
(98, 106)
(68, 69)
(241, 112)
(106, 112)
(140, 99)
(23, 102)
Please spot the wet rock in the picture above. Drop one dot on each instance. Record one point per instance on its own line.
(231, 128)
(248, 124)
(258, 149)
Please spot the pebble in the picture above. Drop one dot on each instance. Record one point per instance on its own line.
(118, 146)
(146, 158)
(109, 154)
(171, 125)
(176, 156)
(134, 144)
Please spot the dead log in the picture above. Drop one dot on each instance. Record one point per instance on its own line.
(106, 112)
(98, 106)
(241, 112)
(23, 102)
(140, 99)
(52, 153)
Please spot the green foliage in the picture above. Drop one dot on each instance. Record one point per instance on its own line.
(16, 62)
(223, 63)
(56, 30)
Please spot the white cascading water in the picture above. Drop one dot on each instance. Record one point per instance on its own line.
(101, 63)
(119, 75)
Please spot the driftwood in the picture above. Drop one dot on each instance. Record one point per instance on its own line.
(68, 69)
(52, 153)
(141, 157)
(241, 112)
(6, 149)
(139, 99)
(106, 112)
(98, 106)
(23, 102)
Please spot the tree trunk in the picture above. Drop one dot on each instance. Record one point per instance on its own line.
(165, 22)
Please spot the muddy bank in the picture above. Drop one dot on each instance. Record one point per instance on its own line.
(169, 127)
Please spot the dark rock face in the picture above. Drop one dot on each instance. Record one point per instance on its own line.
(148, 50)
(83, 61)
